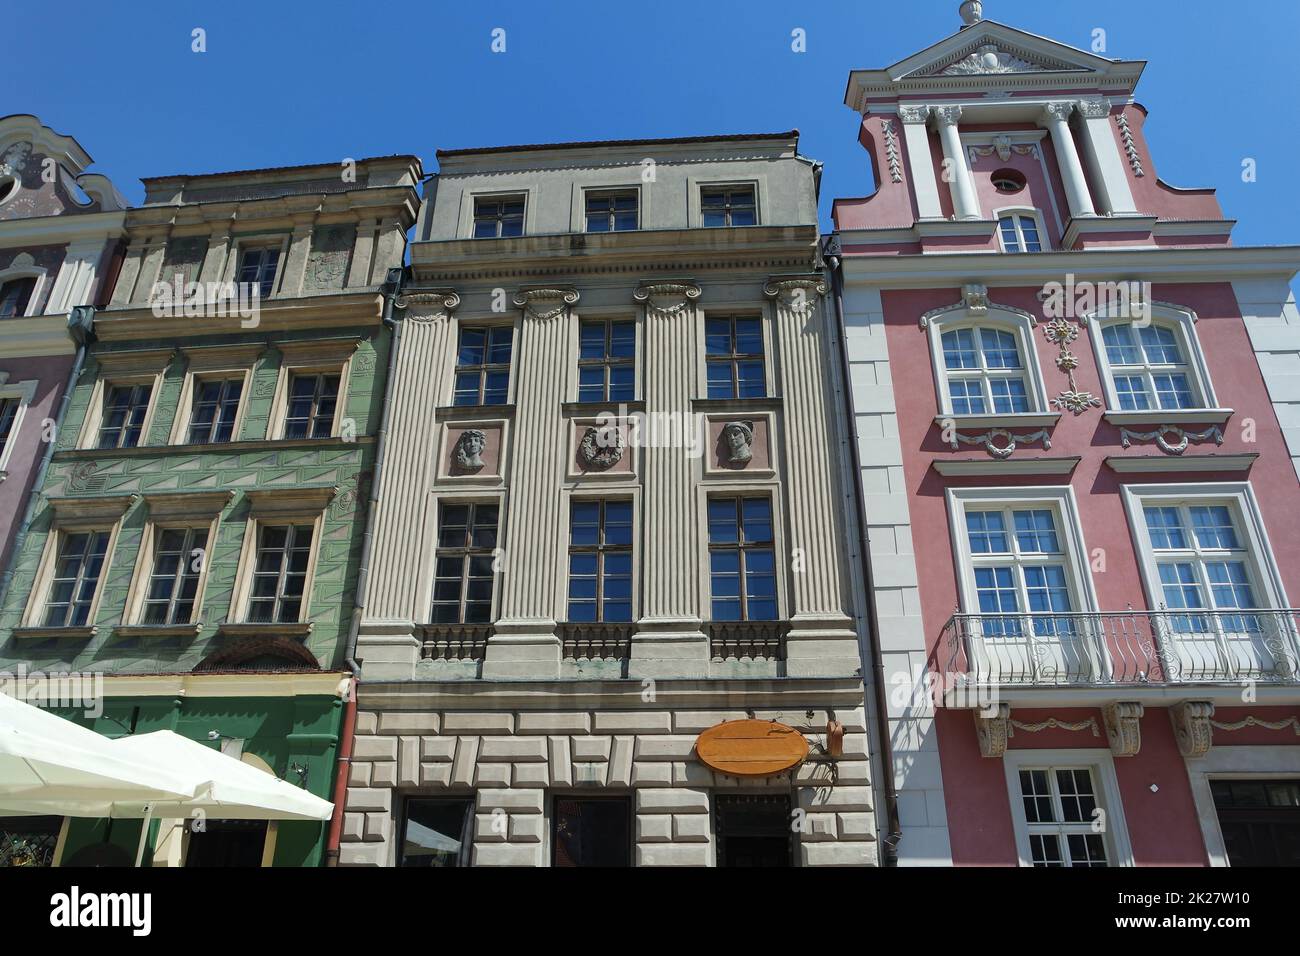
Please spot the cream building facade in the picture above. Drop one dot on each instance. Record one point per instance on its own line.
(609, 517)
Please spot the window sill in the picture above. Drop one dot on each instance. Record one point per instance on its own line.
(1169, 416)
(768, 402)
(580, 409)
(459, 412)
(258, 444)
(295, 629)
(1007, 420)
(67, 633)
(158, 630)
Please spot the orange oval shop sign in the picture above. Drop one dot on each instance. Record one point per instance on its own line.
(751, 748)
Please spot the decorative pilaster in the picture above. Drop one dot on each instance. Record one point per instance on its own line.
(387, 644)
(669, 641)
(214, 259)
(920, 167)
(524, 642)
(965, 203)
(1123, 727)
(295, 265)
(1192, 730)
(1056, 117)
(129, 275)
(359, 267)
(822, 641)
(1104, 160)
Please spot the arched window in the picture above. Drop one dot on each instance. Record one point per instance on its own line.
(1020, 232)
(985, 371)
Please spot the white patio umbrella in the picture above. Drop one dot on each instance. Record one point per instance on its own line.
(51, 766)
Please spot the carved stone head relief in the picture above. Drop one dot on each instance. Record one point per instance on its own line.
(737, 442)
(468, 453)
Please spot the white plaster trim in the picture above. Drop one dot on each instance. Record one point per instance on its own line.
(1183, 323)
(25, 392)
(1258, 763)
(1020, 324)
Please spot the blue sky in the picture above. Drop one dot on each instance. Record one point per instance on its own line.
(285, 83)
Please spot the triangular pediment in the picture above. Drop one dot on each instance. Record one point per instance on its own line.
(992, 49)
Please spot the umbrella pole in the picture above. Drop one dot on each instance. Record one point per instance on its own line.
(144, 833)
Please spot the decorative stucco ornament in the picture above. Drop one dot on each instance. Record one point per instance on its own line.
(14, 160)
(545, 303)
(668, 297)
(972, 12)
(601, 447)
(988, 60)
(1061, 332)
(1182, 437)
(1123, 727)
(1191, 720)
(891, 152)
(1009, 441)
(468, 453)
(738, 442)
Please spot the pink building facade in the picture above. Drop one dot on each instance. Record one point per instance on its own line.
(1076, 440)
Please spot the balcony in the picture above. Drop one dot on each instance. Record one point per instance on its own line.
(1121, 649)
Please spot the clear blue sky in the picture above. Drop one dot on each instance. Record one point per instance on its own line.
(284, 83)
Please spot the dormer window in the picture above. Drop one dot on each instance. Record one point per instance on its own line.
(15, 296)
(612, 211)
(1019, 232)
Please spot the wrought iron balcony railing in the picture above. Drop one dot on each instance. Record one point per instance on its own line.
(1124, 647)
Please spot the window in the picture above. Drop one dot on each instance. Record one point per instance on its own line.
(15, 296)
(257, 266)
(463, 573)
(591, 831)
(1019, 232)
(985, 372)
(179, 554)
(612, 211)
(483, 365)
(742, 559)
(1259, 820)
(313, 398)
(754, 830)
(226, 843)
(77, 569)
(728, 206)
(1147, 367)
(125, 407)
(436, 833)
(280, 573)
(216, 406)
(8, 415)
(1019, 564)
(600, 561)
(1009, 181)
(1062, 812)
(734, 356)
(607, 362)
(498, 216)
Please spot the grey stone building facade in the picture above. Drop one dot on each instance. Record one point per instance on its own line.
(610, 518)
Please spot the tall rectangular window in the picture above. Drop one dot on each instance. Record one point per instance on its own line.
(607, 362)
(1148, 367)
(1019, 234)
(498, 216)
(728, 206)
(15, 296)
(8, 415)
(1061, 807)
(125, 407)
(483, 365)
(613, 211)
(280, 574)
(257, 266)
(600, 561)
(179, 554)
(313, 398)
(1020, 565)
(77, 569)
(591, 831)
(216, 405)
(734, 356)
(984, 371)
(742, 559)
(463, 565)
(1203, 563)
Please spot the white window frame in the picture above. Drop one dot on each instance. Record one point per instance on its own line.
(309, 358)
(1065, 506)
(1183, 323)
(1255, 763)
(32, 271)
(1266, 577)
(470, 199)
(1019, 324)
(24, 393)
(1031, 212)
(1102, 765)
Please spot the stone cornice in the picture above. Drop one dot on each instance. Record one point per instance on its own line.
(306, 313)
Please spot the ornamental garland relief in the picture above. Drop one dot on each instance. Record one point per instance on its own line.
(601, 447)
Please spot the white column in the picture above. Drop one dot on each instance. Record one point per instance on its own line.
(822, 640)
(1109, 172)
(920, 165)
(1056, 117)
(669, 640)
(524, 642)
(965, 203)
